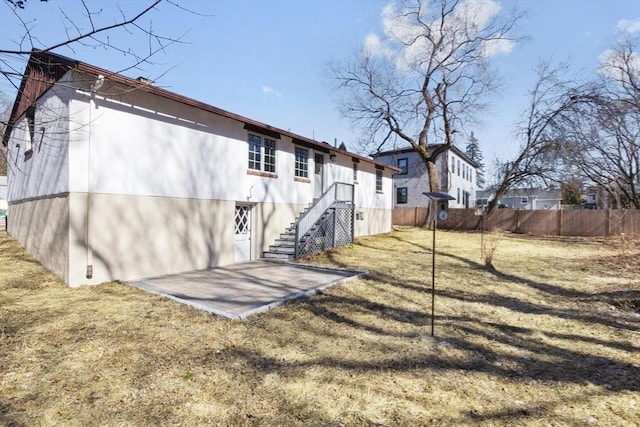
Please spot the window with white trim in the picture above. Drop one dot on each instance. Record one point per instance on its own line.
(355, 172)
(302, 163)
(262, 153)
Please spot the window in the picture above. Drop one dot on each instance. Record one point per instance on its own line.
(404, 165)
(458, 169)
(379, 181)
(31, 122)
(355, 172)
(524, 200)
(302, 163)
(401, 195)
(458, 198)
(453, 164)
(262, 154)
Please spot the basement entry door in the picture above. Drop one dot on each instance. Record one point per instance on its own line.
(242, 243)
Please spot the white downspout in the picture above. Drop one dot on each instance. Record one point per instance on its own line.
(94, 87)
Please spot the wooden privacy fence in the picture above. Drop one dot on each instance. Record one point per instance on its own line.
(586, 223)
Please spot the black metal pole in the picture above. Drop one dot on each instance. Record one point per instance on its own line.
(433, 274)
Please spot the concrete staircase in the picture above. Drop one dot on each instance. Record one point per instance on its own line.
(284, 248)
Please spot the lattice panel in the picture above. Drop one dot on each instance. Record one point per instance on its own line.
(344, 225)
(332, 230)
(242, 220)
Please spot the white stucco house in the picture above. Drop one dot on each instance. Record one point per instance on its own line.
(456, 171)
(111, 177)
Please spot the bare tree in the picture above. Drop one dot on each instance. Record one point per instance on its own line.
(427, 78)
(91, 28)
(602, 133)
(542, 137)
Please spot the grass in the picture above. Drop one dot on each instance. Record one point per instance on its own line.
(550, 337)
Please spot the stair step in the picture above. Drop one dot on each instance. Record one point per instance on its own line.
(285, 243)
(271, 255)
(282, 249)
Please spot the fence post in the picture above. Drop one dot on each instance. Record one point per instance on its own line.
(607, 225)
(517, 220)
(560, 222)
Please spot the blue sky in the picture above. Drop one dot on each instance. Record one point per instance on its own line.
(266, 59)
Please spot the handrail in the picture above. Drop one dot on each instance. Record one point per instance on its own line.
(337, 192)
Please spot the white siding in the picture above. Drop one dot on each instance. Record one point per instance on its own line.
(46, 170)
(179, 151)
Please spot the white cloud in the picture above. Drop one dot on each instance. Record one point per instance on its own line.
(403, 39)
(269, 91)
(612, 65)
(496, 47)
(629, 27)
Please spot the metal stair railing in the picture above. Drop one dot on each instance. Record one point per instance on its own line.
(338, 192)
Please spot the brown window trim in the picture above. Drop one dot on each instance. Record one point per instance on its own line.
(300, 179)
(260, 173)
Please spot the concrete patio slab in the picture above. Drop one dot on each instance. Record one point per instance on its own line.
(240, 290)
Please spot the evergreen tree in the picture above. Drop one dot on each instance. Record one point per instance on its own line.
(474, 153)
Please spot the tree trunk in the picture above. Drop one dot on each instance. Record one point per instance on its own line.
(432, 170)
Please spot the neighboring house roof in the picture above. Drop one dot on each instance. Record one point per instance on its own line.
(45, 68)
(404, 150)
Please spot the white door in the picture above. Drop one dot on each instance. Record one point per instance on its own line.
(318, 178)
(242, 224)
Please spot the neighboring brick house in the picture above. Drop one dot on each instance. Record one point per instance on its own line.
(457, 174)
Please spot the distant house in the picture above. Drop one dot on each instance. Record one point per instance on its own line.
(3, 202)
(3, 188)
(524, 198)
(111, 177)
(457, 174)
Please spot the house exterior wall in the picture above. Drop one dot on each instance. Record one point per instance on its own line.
(44, 171)
(453, 180)
(461, 181)
(42, 228)
(145, 186)
(38, 180)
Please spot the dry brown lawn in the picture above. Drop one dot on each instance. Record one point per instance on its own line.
(551, 337)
